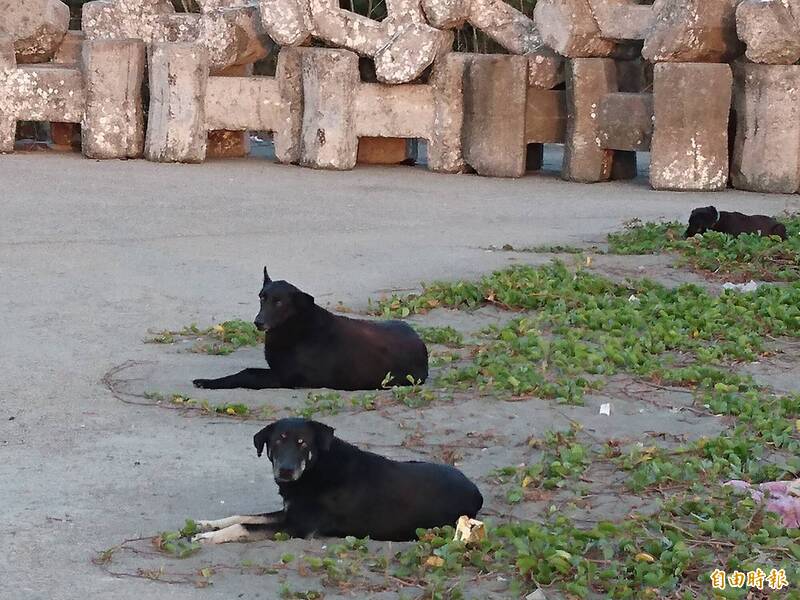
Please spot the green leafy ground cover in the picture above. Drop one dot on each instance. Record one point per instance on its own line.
(731, 258)
(567, 333)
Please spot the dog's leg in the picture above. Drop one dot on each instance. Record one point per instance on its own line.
(239, 533)
(262, 519)
(251, 379)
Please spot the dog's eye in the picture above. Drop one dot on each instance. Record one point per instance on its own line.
(301, 443)
(278, 302)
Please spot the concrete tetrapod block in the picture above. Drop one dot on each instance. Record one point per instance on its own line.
(402, 46)
(69, 52)
(113, 123)
(123, 19)
(510, 28)
(589, 80)
(186, 103)
(103, 94)
(622, 19)
(569, 28)
(330, 81)
(176, 129)
(692, 104)
(693, 31)
(263, 104)
(36, 27)
(766, 155)
(769, 29)
(495, 96)
(36, 93)
(626, 121)
(339, 109)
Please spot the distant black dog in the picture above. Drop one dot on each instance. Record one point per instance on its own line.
(733, 223)
(332, 489)
(308, 347)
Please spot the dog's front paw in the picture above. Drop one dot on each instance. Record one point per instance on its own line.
(234, 533)
(207, 537)
(205, 526)
(202, 383)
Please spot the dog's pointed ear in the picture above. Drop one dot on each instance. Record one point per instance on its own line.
(323, 435)
(261, 439)
(266, 276)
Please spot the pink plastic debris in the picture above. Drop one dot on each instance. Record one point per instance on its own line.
(783, 498)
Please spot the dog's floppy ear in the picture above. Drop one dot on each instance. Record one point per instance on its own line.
(713, 212)
(261, 439)
(323, 435)
(266, 276)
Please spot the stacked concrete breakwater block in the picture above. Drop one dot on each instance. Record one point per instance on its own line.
(339, 109)
(187, 102)
(102, 93)
(606, 78)
(683, 121)
(766, 155)
(230, 31)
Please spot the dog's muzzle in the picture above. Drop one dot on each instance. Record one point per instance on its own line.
(283, 475)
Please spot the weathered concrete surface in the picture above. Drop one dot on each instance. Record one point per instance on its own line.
(8, 113)
(113, 121)
(622, 19)
(693, 31)
(495, 99)
(766, 156)
(338, 109)
(769, 30)
(234, 36)
(225, 143)
(444, 149)
(569, 28)
(330, 81)
(512, 29)
(36, 26)
(176, 124)
(288, 22)
(588, 82)
(403, 45)
(690, 137)
(546, 116)
(36, 92)
(263, 104)
(69, 52)
(446, 14)
(121, 19)
(545, 69)
(82, 471)
(626, 121)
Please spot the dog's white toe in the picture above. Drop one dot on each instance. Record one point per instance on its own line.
(204, 526)
(234, 533)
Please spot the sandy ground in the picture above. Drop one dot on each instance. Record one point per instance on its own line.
(94, 254)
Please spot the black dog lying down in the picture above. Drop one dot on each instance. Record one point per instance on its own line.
(332, 489)
(733, 223)
(308, 347)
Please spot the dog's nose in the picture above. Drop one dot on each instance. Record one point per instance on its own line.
(259, 324)
(285, 473)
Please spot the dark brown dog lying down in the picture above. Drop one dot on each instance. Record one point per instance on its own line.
(733, 223)
(308, 347)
